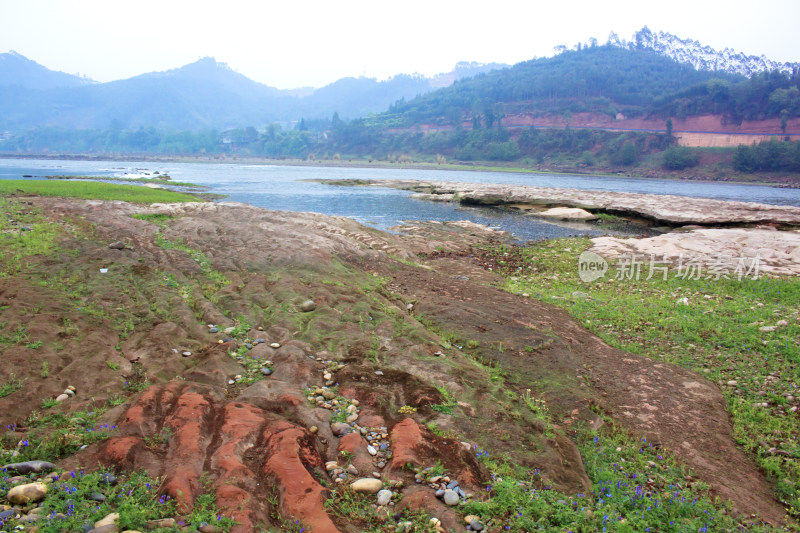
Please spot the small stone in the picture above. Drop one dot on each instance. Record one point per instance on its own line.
(439, 493)
(308, 306)
(781, 323)
(451, 497)
(208, 528)
(378, 373)
(28, 493)
(275, 345)
(384, 497)
(72, 388)
(328, 394)
(96, 496)
(352, 418)
(767, 329)
(326, 376)
(366, 485)
(266, 371)
(376, 475)
(118, 245)
(313, 429)
(108, 479)
(213, 330)
(62, 397)
(372, 450)
(165, 523)
(453, 484)
(331, 465)
(477, 525)
(69, 393)
(732, 383)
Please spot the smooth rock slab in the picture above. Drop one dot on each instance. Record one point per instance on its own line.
(367, 485)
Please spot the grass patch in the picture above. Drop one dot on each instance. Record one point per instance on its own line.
(635, 487)
(91, 190)
(712, 326)
(24, 232)
(11, 385)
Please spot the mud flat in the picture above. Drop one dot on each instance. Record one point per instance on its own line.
(279, 357)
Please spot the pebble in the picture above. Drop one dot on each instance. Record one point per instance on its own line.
(213, 330)
(376, 475)
(451, 497)
(186, 354)
(266, 371)
(108, 479)
(384, 497)
(313, 429)
(118, 245)
(372, 450)
(378, 373)
(62, 397)
(366, 485)
(308, 306)
(351, 469)
(275, 345)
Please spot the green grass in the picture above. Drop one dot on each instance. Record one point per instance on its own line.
(634, 487)
(158, 180)
(11, 385)
(24, 232)
(708, 325)
(93, 191)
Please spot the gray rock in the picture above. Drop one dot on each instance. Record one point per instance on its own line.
(372, 450)
(453, 484)
(266, 371)
(477, 525)
(108, 479)
(451, 497)
(119, 245)
(308, 306)
(384, 497)
(61, 398)
(29, 466)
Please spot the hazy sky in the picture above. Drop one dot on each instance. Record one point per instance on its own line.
(298, 43)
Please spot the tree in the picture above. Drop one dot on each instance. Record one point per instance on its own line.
(669, 128)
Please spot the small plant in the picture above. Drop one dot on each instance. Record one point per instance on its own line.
(45, 369)
(448, 405)
(407, 410)
(12, 385)
(47, 403)
(112, 365)
(137, 380)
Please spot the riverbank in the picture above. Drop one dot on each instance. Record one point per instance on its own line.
(331, 361)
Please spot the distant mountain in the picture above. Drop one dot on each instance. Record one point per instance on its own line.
(699, 56)
(202, 95)
(17, 70)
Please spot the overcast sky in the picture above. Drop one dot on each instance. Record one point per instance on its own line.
(299, 43)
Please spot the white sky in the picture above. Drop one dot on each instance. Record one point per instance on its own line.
(289, 44)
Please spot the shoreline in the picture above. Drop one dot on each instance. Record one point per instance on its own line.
(794, 181)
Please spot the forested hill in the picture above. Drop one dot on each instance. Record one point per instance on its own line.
(606, 79)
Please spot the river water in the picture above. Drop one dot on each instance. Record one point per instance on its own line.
(282, 187)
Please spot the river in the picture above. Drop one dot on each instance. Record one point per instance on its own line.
(283, 188)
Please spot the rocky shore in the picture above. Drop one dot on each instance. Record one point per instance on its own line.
(660, 209)
(284, 359)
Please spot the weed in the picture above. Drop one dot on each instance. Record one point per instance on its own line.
(45, 370)
(11, 385)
